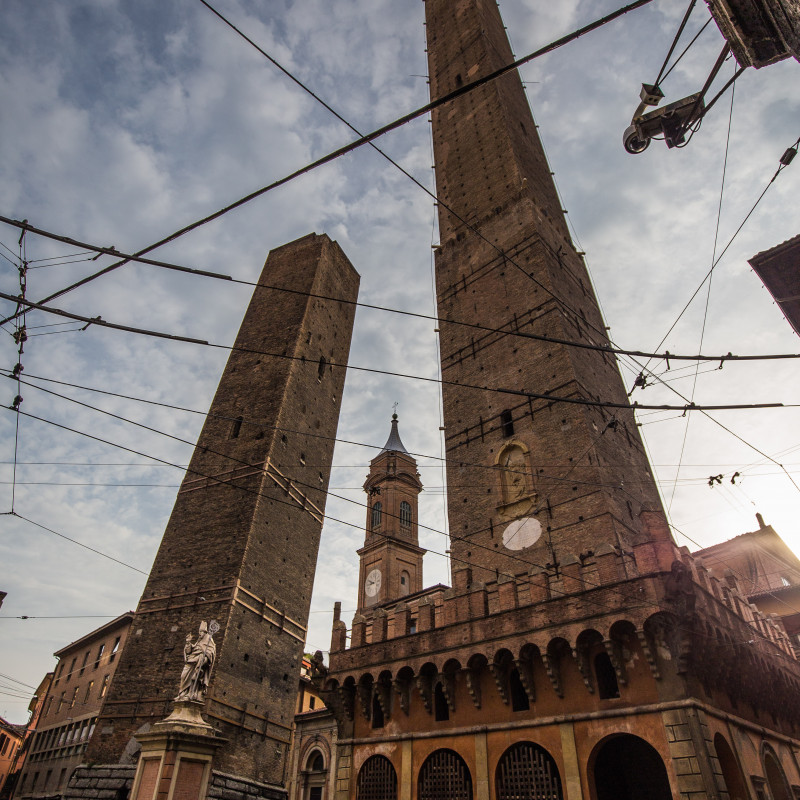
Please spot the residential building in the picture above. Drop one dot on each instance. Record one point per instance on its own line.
(68, 712)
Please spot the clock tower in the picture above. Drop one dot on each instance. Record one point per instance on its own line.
(391, 558)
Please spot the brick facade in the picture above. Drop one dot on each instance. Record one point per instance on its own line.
(579, 652)
(241, 543)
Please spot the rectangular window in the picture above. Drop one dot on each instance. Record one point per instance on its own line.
(61, 701)
(114, 650)
(507, 423)
(88, 692)
(47, 777)
(104, 686)
(35, 781)
(49, 703)
(74, 697)
(72, 667)
(83, 663)
(99, 655)
(62, 778)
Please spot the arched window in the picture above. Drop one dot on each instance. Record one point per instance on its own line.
(377, 510)
(405, 514)
(519, 697)
(607, 685)
(773, 772)
(527, 770)
(440, 707)
(316, 762)
(377, 780)
(444, 776)
(377, 712)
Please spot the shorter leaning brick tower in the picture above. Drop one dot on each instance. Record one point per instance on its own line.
(241, 544)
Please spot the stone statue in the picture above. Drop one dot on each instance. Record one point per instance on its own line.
(514, 476)
(199, 657)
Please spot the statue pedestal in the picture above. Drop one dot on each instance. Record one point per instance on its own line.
(176, 757)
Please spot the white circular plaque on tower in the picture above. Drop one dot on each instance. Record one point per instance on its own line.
(522, 533)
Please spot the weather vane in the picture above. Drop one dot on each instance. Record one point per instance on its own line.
(394, 407)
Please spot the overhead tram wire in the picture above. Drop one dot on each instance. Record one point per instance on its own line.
(360, 142)
(550, 398)
(632, 602)
(69, 538)
(441, 459)
(506, 258)
(472, 544)
(708, 293)
(716, 261)
(609, 349)
(540, 506)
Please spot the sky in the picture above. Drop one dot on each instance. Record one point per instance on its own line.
(121, 121)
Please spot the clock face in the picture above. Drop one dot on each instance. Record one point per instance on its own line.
(372, 585)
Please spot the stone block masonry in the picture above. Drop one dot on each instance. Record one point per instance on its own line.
(242, 541)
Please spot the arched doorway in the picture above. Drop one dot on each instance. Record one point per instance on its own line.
(628, 768)
(773, 772)
(444, 776)
(315, 775)
(731, 774)
(527, 770)
(377, 780)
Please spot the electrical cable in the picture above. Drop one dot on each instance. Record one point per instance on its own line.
(462, 90)
(634, 600)
(468, 563)
(708, 294)
(686, 49)
(500, 390)
(68, 538)
(666, 356)
(685, 19)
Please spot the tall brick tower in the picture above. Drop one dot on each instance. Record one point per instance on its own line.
(559, 480)
(391, 558)
(579, 654)
(241, 544)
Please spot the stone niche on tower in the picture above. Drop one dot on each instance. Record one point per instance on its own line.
(391, 558)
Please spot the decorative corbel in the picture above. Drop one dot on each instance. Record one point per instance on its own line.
(553, 670)
(614, 651)
(500, 675)
(364, 692)
(402, 688)
(448, 680)
(581, 657)
(425, 688)
(347, 701)
(649, 655)
(474, 685)
(525, 669)
(382, 692)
